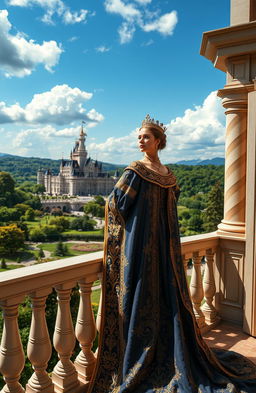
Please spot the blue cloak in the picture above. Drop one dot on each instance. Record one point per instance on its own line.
(150, 341)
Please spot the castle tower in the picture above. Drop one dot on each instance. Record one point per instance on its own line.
(40, 177)
(82, 153)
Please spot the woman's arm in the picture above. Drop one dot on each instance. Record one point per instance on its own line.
(125, 192)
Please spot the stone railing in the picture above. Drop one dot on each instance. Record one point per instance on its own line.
(201, 251)
(38, 281)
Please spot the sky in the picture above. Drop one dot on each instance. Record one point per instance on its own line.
(109, 63)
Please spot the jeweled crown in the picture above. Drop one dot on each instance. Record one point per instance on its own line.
(148, 122)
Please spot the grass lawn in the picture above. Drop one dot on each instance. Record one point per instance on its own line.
(72, 252)
(88, 233)
(10, 267)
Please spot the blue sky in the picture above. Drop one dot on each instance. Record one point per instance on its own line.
(109, 63)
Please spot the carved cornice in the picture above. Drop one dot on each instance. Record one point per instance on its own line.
(219, 45)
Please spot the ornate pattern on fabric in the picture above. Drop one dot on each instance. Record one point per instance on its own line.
(167, 181)
(150, 341)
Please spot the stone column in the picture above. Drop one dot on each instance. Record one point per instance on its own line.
(233, 51)
(235, 104)
(249, 322)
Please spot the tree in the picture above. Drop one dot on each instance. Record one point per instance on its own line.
(56, 211)
(65, 249)
(37, 235)
(51, 232)
(94, 209)
(8, 214)
(29, 214)
(59, 250)
(41, 253)
(38, 189)
(24, 228)
(3, 264)
(82, 223)
(99, 200)
(195, 222)
(6, 183)
(213, 213)
(34, 202)
(61, 223)
(11, 239)
(22, 207)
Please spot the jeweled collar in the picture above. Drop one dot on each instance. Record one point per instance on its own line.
(165, 181)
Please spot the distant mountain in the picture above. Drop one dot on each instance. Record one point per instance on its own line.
(213, 161)
(5, 154)
(25, 168)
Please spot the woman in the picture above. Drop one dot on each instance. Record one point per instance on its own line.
(150, 341)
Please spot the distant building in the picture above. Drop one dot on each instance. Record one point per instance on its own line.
(80, 175)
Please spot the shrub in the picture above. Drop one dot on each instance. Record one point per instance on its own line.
(37, 235)
(61, 223)
(83, 223)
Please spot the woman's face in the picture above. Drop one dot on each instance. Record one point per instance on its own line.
(146, 141)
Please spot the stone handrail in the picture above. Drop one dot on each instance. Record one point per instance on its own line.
(38, 281)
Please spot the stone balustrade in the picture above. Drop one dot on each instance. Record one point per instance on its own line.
(200, 251)
(38, 281)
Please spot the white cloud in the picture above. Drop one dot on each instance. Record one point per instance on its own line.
(19, 56)
(164, 25)
(136, 14)
(126, 32)
(102, 49)
(198, 134)
(29, 137)
(143, 2)
(74, 17)
(61, 105)
(148, 43)
(72, 39)
(53, 7)
(127, 11)
(46, 141)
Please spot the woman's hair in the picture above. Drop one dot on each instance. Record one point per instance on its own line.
(158, 135)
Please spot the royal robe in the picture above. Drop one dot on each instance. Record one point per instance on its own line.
(149, 339)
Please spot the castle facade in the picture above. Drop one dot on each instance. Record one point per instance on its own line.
(80, 175)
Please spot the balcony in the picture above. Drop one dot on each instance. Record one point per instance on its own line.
(201, 257)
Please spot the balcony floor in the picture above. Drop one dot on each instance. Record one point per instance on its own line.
(231, 337)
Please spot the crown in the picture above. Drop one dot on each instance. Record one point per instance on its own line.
(148, 122)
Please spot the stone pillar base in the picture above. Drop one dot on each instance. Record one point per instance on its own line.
(231, 228)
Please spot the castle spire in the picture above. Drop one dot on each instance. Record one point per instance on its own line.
(82, 153)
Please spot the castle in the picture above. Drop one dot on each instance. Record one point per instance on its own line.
(80, 175)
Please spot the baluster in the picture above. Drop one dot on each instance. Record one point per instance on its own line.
(64, 375)
(39, 346)
(12, 358)
(185, 263)
(196, 289)
(85, 332)
(99, 314)
(209, 287)
(99, 318)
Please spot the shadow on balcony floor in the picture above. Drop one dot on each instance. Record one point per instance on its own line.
(231, 337)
